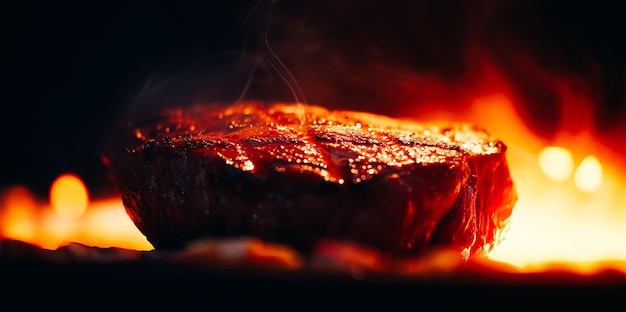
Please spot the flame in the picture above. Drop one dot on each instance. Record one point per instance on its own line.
(18, 214)
(572, 209)
(68, 216)
(571, 184)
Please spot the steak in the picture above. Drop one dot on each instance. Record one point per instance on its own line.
(296, 175)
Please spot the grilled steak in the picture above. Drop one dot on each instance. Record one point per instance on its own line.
(271, 172)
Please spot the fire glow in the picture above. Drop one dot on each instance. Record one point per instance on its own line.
(571, 210)
(68, 216)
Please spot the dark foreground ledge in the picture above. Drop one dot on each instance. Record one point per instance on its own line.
(147, 282)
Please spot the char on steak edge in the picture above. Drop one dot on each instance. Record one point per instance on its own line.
(262, 170)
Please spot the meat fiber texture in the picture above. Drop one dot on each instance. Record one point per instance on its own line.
(297, 174)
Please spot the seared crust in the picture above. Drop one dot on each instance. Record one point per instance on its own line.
(292, 174)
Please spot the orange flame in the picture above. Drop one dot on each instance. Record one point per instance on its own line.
(571, 184)
(572, 208)
(69, 216)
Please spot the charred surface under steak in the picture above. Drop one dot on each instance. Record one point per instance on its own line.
(271, 172)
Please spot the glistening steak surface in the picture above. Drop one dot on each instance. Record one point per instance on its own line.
(285, 176)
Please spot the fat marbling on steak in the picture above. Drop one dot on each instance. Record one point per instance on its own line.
(268, 171)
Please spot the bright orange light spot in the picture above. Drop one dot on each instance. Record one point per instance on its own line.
(68, 196)
(106, 224)
(17, 214)
(557, 163)
(588, 176)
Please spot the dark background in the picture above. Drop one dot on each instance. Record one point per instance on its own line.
(72, 69)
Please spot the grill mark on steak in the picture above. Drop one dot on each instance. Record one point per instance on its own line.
(256, 170)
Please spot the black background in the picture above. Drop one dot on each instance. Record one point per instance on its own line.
(71, 69)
